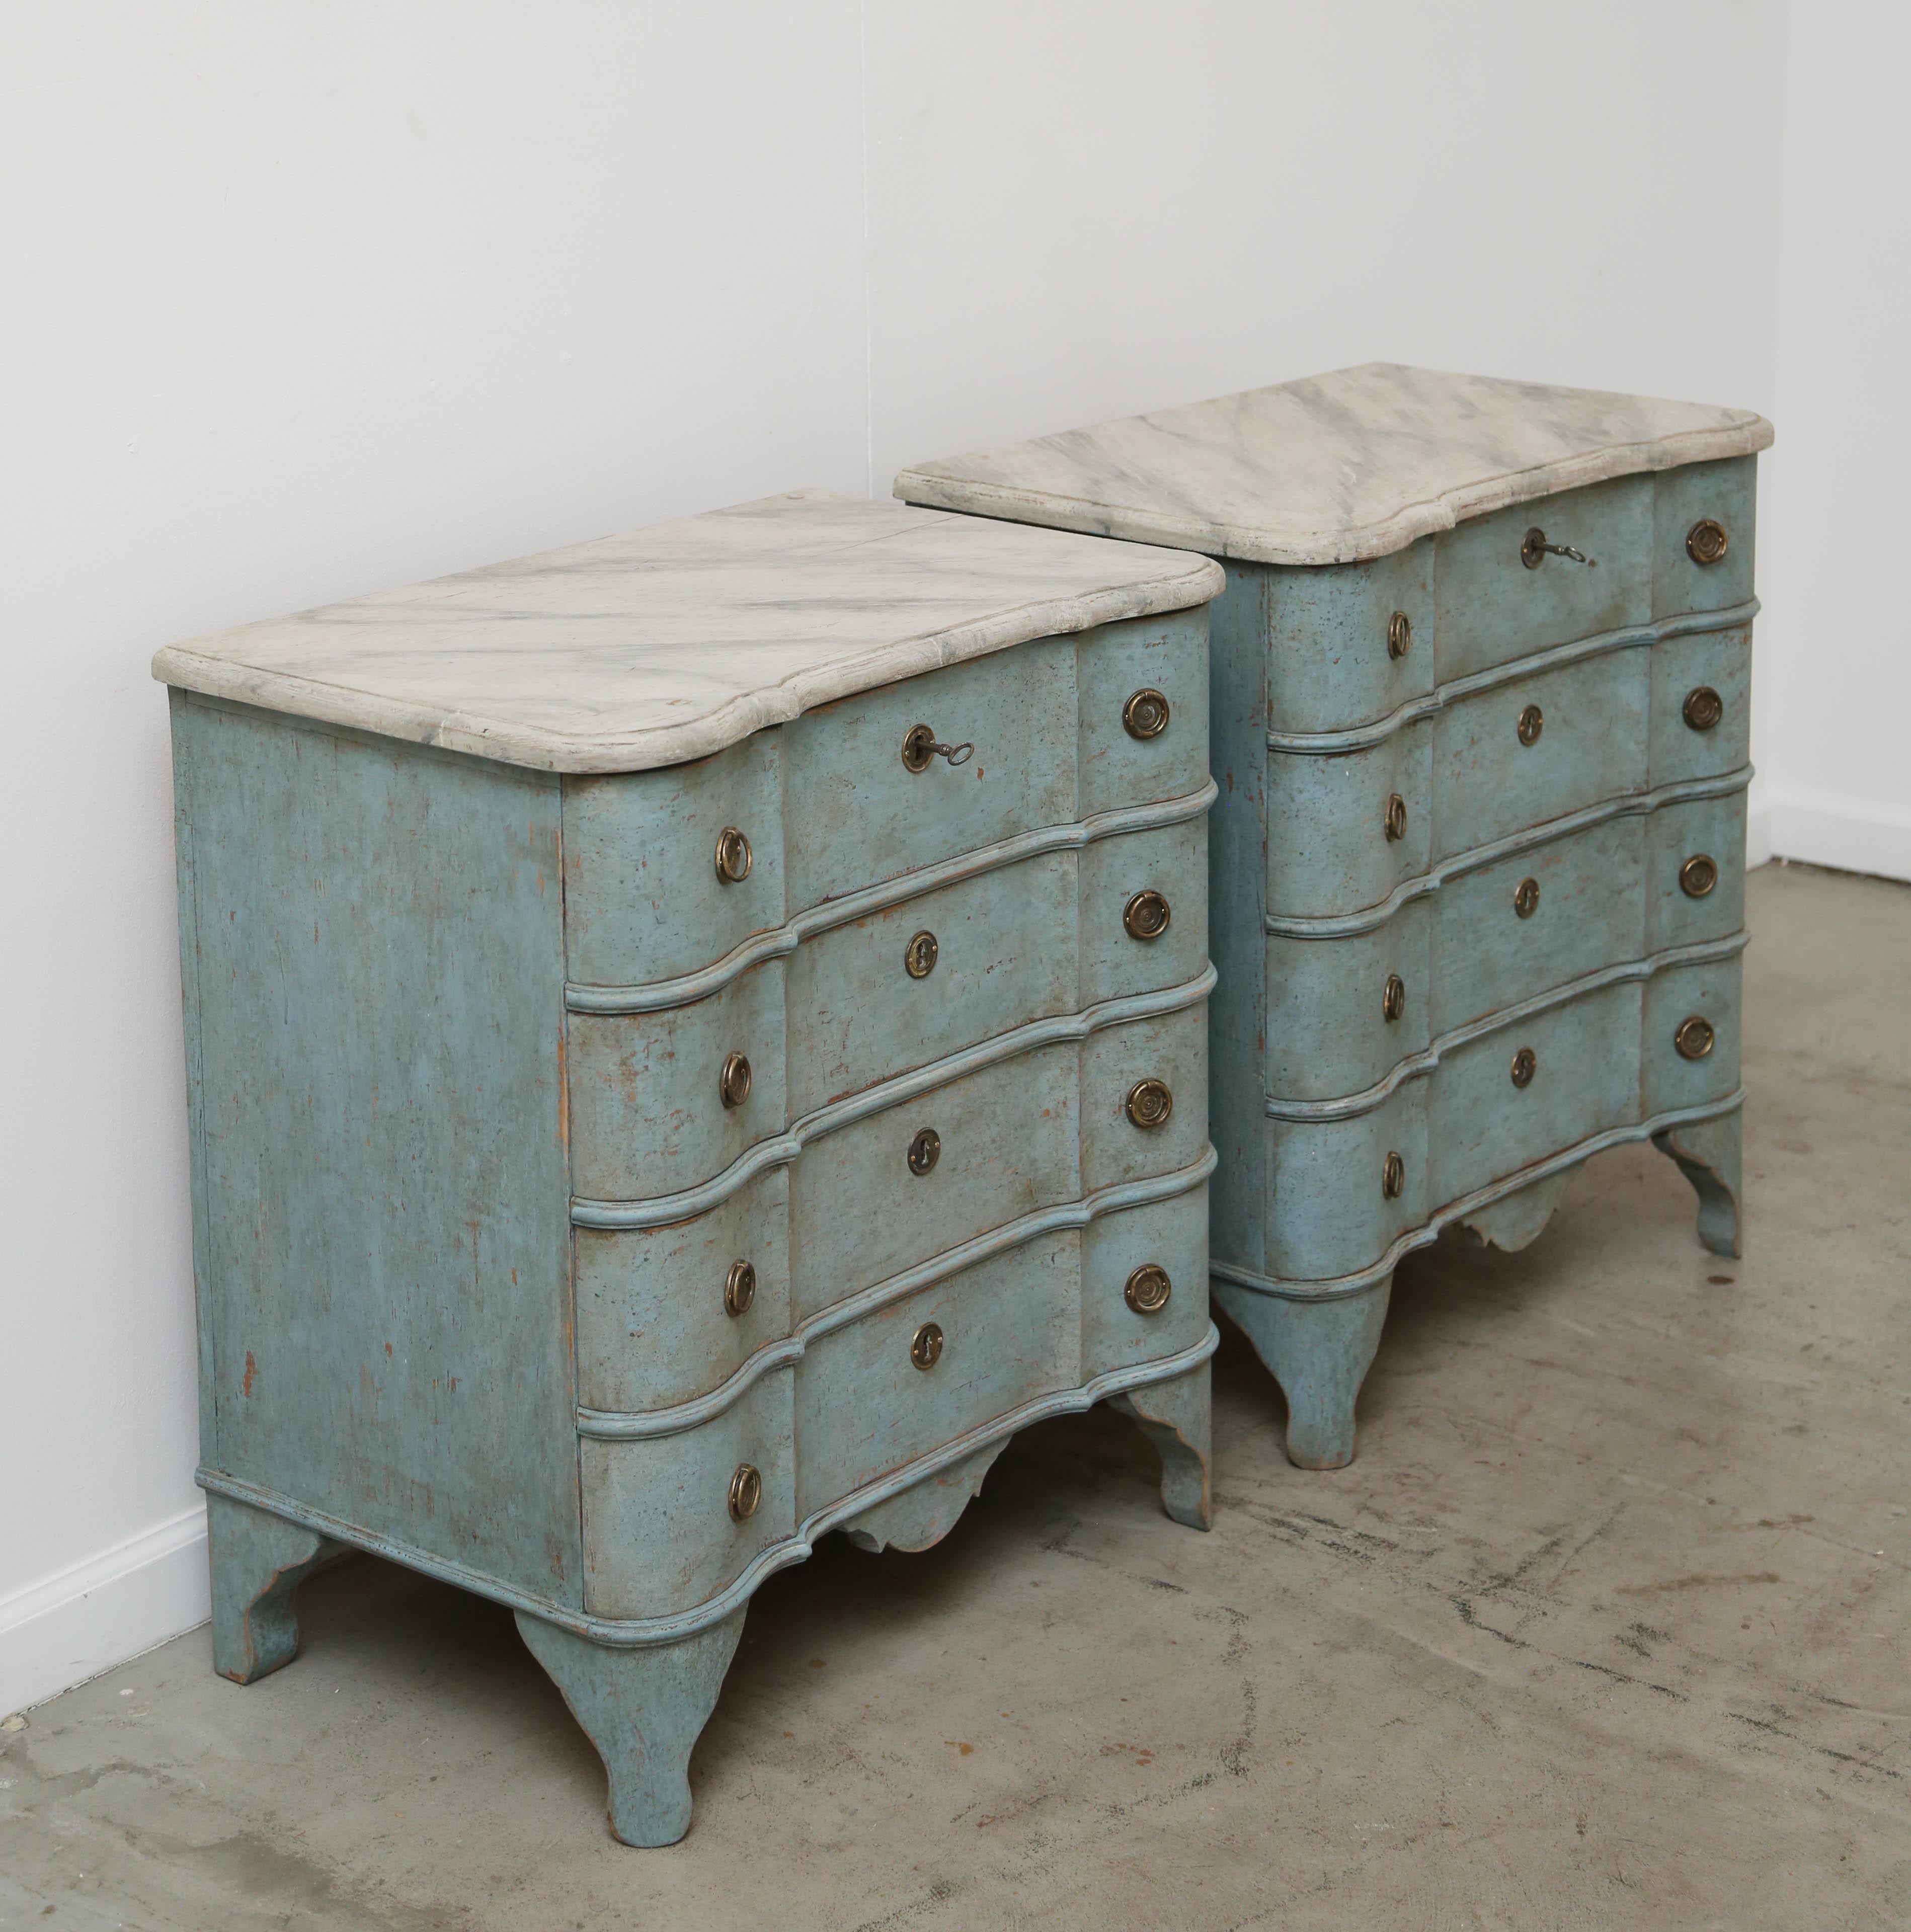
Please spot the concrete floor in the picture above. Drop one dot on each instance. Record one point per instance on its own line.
(1607, 1625)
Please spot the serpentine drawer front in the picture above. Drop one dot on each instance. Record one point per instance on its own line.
(878, 1389)
(693, 1041)
(1481, 684)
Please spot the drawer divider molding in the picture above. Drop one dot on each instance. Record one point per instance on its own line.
(628, 1425)
(1362, 737)
(685, 989)
(781, 1149)
(1424, 1062)
(1344, 924)
(631, 1632)
(1334, 1288)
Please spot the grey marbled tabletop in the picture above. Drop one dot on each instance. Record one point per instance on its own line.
(1331, 469)
(672, 642)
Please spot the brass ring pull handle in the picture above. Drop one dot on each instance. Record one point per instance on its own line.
(1399, 635)
(1149, 1104)
(733, 856)
(1147, 1290)
(1698, 875)
(1146, 915)
(925, 1150)
(1145, 715)
(1525, 1064)
(925, 1346)
(1534, 550)
(920, 956)
(919, 745)
(733, 1082)
(1706, 542)
(745, 1491)
(739, 1289)
(1392, 997)
(1694, 1038)
(1395, 818)
(1392, 1176)
(1702, 708)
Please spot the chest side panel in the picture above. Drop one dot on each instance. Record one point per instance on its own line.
(1238, 867)
(378, 942)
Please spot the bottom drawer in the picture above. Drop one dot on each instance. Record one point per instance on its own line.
(1340, 1192)
(1040, 1319)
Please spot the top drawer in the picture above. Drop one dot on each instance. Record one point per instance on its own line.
(828, 804)
(1490, 606)
(1350, 644)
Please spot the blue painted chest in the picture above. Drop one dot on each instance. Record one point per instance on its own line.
(1481, 677)
(693, 1041)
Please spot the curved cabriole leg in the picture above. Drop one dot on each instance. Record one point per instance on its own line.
(1319, 1350)
(1708, 1154)
(1176, 1416)
(643, 1707)
(257, 1562)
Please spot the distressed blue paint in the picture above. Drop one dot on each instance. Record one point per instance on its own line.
(454, 1030)
(258, 1562)
(644, 1710)
(1314, 725)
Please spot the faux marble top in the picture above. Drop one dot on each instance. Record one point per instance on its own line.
(672, 642)
(1333, 468)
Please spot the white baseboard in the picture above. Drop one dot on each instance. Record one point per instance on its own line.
(1852, 834)
(72, 1625)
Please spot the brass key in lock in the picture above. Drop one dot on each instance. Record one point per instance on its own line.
(1535, 549)
(919, 745)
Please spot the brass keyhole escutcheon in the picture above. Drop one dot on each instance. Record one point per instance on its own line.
(1399, 635)
(1702, 708)
(733, 856)
(920, 745)
(1706, 541)
(1532, 722)
(1392, 997)
(920, 956)
(739, 1289)
(1392, 1176)
(1145, 715)
(1147, 1290)
(925, 1346)
(1698, 875)
(1694, 1037)
(1145, 916)
(1395, 819)
(925, 1150)
(1149, 1103)
(1525, 1064)
(734, 1083)
(1526, 897)
(745, 1491)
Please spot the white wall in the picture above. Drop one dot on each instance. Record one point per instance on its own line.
(298, 301)
(1835, 641)
(302, 300)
